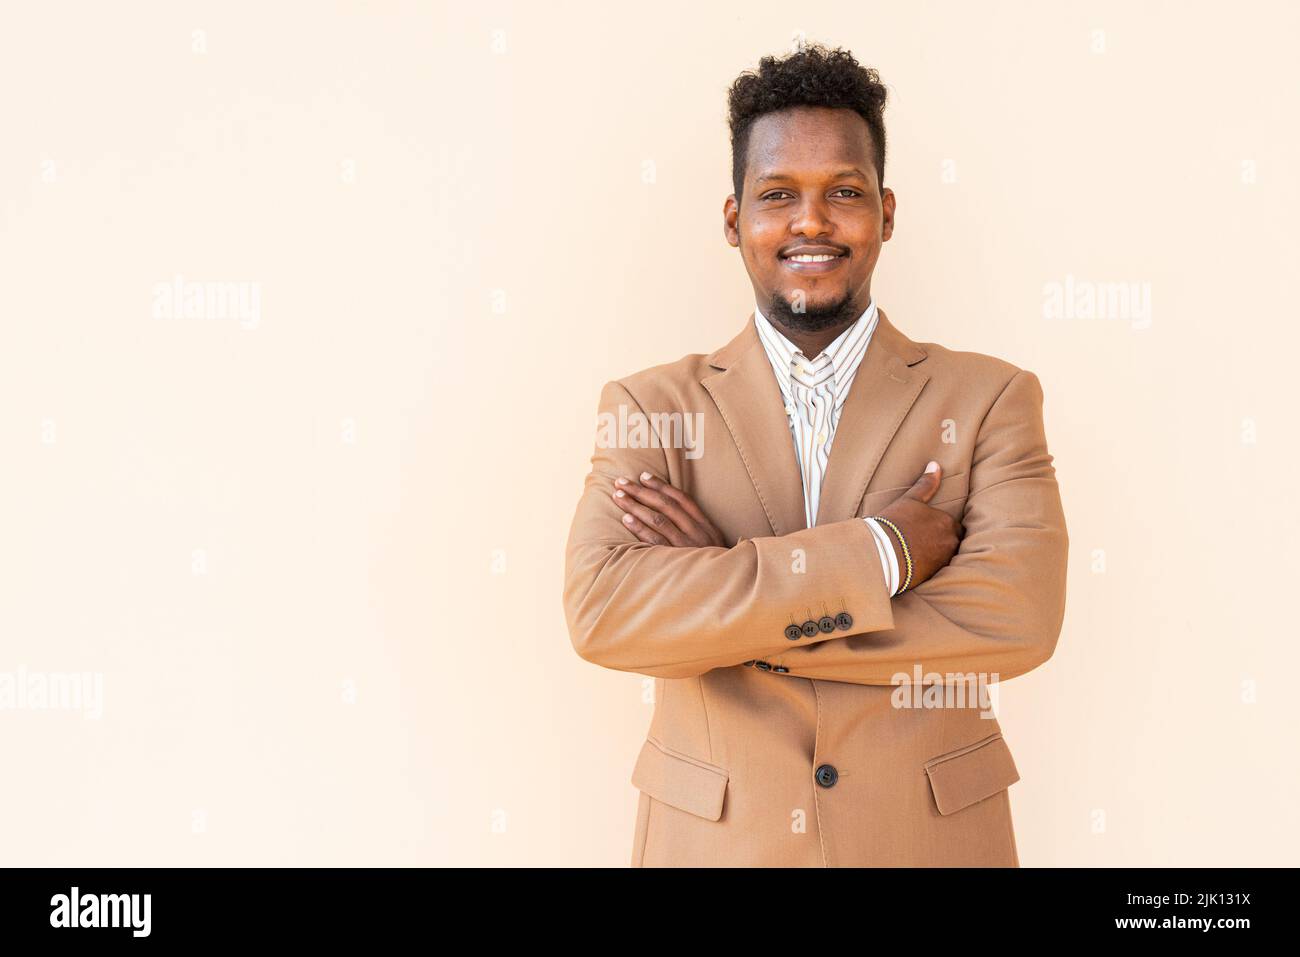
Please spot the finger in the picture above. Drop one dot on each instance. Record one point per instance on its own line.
(684, 502)
(659, 501)
(652, 519)
(924, 488)
(644, 532)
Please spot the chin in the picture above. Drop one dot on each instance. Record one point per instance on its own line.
(819, 312)
(819, 306)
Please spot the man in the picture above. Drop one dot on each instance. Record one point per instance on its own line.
(852, 510)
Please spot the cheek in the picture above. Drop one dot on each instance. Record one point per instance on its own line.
(761, 238)
(866, 265)
(869, 251)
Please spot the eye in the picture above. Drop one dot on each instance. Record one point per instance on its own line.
(775, 193)
(847, 189)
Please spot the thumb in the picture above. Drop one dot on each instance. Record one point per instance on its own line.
(925, 487)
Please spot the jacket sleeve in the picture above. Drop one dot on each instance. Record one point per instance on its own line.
(998, 606)
(674, 612)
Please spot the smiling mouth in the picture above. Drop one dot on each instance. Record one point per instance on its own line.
(813, 262)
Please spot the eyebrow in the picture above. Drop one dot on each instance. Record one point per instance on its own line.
(852, 171)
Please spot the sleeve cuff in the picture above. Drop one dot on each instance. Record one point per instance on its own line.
(888, 560)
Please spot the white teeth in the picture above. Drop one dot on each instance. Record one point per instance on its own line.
(811, 259)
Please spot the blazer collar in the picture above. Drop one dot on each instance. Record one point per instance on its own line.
(745, 390)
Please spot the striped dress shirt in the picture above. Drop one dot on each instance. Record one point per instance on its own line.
(814, 392)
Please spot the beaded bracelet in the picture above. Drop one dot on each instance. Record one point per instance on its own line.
(907, 555)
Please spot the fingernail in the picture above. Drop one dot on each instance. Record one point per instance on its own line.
(620, 481)
(645, 476)
(627, 519)
(932, 467)
(620, 494)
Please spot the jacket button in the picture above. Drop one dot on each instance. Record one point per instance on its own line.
(826, 624)
(844, 621)
(780, 669)
(810, 627)
(793, 632)
(827, 775)
(749, 663)
(763, 664)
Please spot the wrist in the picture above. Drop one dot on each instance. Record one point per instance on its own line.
(899, 543)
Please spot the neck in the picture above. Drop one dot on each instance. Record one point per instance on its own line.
(812, 344)
(806, 331)
(813, 333)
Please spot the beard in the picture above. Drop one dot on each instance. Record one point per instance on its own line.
(813, 318)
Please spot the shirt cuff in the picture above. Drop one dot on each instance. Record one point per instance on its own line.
(888, 560)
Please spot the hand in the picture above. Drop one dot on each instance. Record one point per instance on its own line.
(932, 534)
(659, 514)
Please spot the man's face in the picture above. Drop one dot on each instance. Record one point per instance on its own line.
(810, 189)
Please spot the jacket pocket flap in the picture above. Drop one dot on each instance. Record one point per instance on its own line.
(951, 488)
(682, 781)
(962, 777)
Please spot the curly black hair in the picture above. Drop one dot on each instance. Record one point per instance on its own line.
(812, 76)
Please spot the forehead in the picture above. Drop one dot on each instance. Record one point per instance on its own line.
(807, 140)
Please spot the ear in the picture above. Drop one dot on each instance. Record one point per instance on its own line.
(887, 214)
(731, 220)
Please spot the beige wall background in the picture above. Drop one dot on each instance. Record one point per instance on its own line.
(308, 544)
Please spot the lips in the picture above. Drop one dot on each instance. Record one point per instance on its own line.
(813, 260)
(814, 250)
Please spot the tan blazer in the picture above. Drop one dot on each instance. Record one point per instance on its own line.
(780, 746)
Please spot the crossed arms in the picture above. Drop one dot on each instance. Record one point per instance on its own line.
(674, 612)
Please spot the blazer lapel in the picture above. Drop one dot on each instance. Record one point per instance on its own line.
(881, 395)
(750, 402)
(751, 405)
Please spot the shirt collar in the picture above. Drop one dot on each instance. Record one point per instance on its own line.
(845, 353)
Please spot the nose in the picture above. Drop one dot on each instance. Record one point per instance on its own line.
(810, 218)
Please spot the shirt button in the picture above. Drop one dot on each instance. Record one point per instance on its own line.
(821, 438)
(789, 410)
(827, 775)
